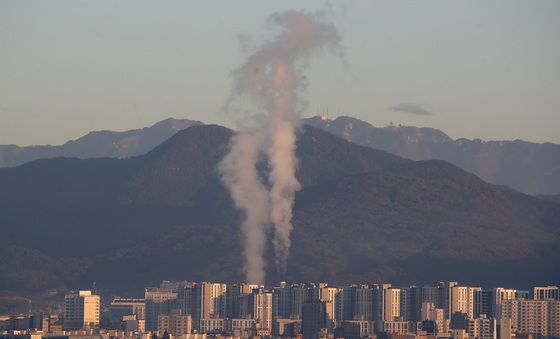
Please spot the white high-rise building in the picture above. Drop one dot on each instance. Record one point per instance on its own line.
(392, 304)
(463, 300)
(209, 300)
(331, 296)
(81, 310)
(500, 294)
(261, 304)
(218, 296)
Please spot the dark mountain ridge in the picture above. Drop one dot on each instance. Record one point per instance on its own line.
(424, 221)
(362, 215)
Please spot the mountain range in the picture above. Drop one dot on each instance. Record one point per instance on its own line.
(98, 144)
(362, 215)
(527, 167)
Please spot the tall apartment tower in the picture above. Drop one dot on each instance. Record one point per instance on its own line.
(546, 293)
(430, 294)
(331, 297)
(185, 299)
(159, 300)
(392, 304)
(378, 297)
(444, 296)
(282, 301)
(358, 302)
(497, 296)
(260, 304)
(362, 303)
(237, 300)
(411, 303)
(299, 295)
(209, 301)
(535, 317)
(467, 300)
(81, 310)
(314, 319)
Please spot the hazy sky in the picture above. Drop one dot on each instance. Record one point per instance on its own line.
(476, 69)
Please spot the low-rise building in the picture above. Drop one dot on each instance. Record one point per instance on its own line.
(212, 324)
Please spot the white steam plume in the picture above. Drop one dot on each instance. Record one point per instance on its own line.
(249, 194)
(272, 78)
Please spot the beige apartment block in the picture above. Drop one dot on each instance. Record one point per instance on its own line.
(81, 310)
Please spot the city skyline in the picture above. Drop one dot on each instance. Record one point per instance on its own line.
(302, 169)
(185, 309)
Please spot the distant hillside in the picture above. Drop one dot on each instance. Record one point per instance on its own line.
(98, 144)
(362, 215)
(528, 167)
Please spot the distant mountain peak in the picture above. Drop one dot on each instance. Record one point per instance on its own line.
(176, 124)
(98, 144)
(528, 167)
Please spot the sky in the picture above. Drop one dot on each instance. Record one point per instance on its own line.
(474, 69)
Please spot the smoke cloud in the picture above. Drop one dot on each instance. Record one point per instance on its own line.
(272, 78)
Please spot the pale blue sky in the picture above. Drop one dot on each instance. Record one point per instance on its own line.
(485, 69)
